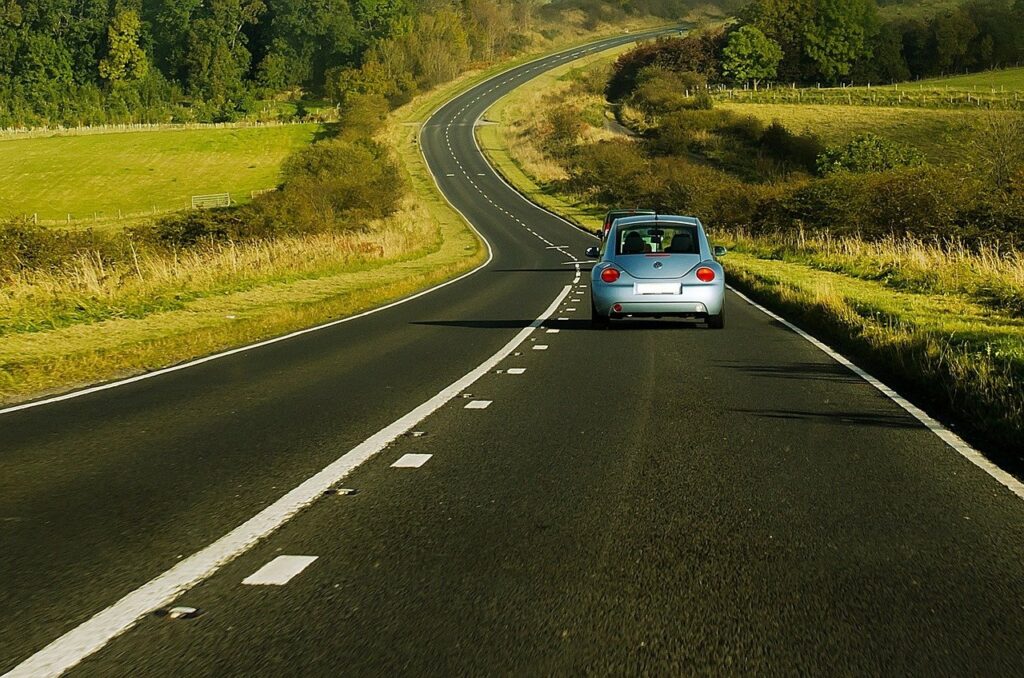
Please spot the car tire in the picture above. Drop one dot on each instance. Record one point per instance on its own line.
(717, 322)
(598, 321)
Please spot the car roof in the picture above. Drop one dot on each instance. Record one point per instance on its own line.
(629, 210)
(658, 218)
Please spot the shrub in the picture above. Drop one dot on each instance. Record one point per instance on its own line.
(868, 153)
(802, 150)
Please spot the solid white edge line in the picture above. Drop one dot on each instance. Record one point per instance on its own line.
(953, 440)
(85, 639)
(947, 436)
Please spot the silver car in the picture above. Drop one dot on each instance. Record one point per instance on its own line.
(654, 266)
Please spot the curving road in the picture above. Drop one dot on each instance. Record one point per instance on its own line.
(655, 499)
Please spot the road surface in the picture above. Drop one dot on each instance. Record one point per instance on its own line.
(654, 499)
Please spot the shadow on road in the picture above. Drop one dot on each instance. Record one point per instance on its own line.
(799, 370)
(568, 268)
(839, 418)
(573, 324)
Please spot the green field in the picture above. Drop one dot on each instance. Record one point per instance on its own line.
(939, 134)
(1008, 78)
(98, 175)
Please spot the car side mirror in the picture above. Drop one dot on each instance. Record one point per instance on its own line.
(720, 251)
(593, 252)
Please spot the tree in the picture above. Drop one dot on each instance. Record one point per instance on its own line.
(125, 60)
(839, 34)
(820, 39)
(952, 34)
(751, 56)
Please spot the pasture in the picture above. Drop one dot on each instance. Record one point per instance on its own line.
(940, 134)
(96, 177)
(1009, 79)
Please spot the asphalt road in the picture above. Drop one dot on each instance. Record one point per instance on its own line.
(654, 499)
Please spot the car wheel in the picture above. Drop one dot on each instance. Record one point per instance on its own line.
(598, 321)
(717, 322)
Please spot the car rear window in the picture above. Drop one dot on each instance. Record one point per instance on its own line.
(654, 238)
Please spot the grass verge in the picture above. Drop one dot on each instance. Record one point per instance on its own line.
(938, 323)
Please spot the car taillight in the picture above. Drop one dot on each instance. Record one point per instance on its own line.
(610, 274)
(705, 274)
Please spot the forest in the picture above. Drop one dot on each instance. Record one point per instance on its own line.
(77, 62)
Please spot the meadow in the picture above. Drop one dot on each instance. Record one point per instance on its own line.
(939, 134)
(97, 177)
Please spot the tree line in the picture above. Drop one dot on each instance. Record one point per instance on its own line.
(831, 41)
(76, 62)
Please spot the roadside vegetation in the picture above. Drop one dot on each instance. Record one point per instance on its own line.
(903, 255)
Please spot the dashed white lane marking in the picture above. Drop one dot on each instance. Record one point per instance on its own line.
(540, 347)
(552, 331)
(563, 318)
(279, 571)
(576, 301)
(478, 404)
(411, 460)
(570, 309)
(88, 637)
(449, 175)
(515, 370)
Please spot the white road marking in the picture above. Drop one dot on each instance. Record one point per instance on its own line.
(279, 571)
(553, 331)
(570, 309)
(478, 405)
(540, 347)
(563, 318)
(88, 637)
(516, 370)
(411, 460)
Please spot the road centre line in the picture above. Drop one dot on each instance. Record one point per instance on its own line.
(279, 571)
(411, 460)
(77, 644)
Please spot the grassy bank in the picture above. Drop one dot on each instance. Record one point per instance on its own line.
(941, 321)
(94, 177)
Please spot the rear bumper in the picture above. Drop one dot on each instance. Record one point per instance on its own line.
(695, 300)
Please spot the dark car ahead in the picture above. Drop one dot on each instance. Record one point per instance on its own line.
(612, 215)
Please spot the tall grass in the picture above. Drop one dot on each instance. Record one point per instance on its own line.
(88, 289)
(987, 273)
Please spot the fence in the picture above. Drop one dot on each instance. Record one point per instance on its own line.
(889, 96)
(104, 218)
(211, 200)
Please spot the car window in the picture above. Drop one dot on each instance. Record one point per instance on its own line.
(654, 238)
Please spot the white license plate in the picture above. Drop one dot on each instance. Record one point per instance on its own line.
(657, 288)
